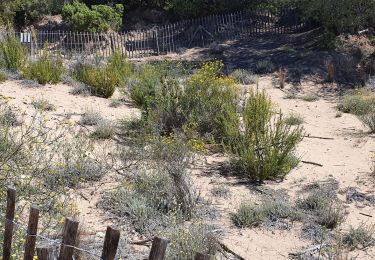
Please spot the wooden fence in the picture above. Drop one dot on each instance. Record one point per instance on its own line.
(168, 38)
(67, 245)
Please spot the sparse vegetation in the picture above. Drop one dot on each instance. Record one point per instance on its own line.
(3, 77)
(220, 191)
(310, 97)
(243, 76)
(360, 237)
(290, 95)
(264, 66)
(43, 104)
(294, 119)
(330, 67)
(105, 129)
(91, 118)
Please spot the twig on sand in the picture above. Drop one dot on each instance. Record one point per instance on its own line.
(226, 248)
(364, 214)
(318, 137)
(313, 163)
(310, 250)
(141, 242)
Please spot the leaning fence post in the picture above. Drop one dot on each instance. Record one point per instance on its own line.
(199, 256)
(112, 237)
(43, 252)
(69, 239)
(31, 233)
(9, 218)
(158, 248)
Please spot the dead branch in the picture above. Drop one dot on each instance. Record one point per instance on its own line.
(318, 137)
(364, 214)
(313, 163)
(226, 248)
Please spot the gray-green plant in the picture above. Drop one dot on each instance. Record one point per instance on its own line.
(43, 104)
(294, 119)
(243, 76)
(310, 97)
(105, 129)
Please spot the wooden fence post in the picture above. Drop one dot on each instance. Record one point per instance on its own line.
(158, 248)
(43, 252)
(69, 239)
(199, 256)
(32, 229)
(112, 237)
(9, 218)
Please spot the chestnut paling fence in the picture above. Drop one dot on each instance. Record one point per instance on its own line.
(64, 249)
(167, 38)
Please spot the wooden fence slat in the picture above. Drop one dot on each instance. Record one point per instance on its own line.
(9, 218)
(111, 240)
(69, 239)
(158, 248)
(31, 233)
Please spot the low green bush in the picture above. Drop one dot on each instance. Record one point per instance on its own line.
(358, 103)
(264, 148)
(45, 70)
(369, 119)
(104, 129)
(12, 53)
(103, 80)
(43, 104)
(310, 97)
(294, 119)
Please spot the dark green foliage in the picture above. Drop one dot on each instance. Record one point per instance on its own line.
(12, 53)
(263, 150)
(45, 70)
(98, 18)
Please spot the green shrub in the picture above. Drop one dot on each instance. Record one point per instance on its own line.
(294, 119)
(12, 53)
(101, 80)
(91, 118)
(210, 102)
(310, 97)
(369, 119)
(105, 129)
(290, 95)
(358, 103)
(264, 66)
(98, 18)
(360, 237)
(263, 150)
(43, 104)
(3, 77)
(271, 209)
(243, 76)
(185, 241)
(45, 69)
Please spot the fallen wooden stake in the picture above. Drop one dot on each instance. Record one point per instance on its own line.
(364, 214)
(313, 163)
(318, 137)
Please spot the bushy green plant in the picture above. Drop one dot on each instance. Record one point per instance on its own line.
(45, 70)
(358, 103)
(210, 102)
(310, 97)
(263, 150)
(98, 18)
(369, 119)
(91, 118)
(12, 53)
(264, 66)
(104, 79)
